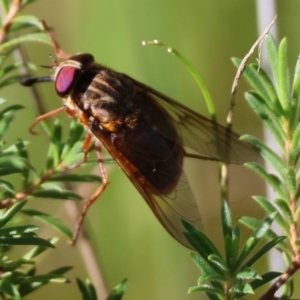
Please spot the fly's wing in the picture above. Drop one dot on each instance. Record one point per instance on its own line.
(172, 208)
(169, 207)
(210, 140)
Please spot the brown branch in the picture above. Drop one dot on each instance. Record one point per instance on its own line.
(14, 9)
(270, 294)
(293, 227)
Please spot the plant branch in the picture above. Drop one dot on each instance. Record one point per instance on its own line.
(293, 227)
(14, 9)
(270, 294)
(20, 196)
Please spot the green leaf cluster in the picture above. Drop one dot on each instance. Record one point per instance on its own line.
(47, 183)
(277, 104)
(18, 276)
(275, 99)
(88, 291)
(231, 276)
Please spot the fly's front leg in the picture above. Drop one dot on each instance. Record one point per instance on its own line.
(95, 196)
(44, 117)
(58, 51)
(50, 114)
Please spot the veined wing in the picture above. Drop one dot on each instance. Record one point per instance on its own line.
(169, 207)
(210, 140)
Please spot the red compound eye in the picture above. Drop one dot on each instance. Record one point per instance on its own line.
(65, 80)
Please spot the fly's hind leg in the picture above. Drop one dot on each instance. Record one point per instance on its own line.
(95, 196)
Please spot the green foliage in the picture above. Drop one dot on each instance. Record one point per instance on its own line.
(12, 36)
(14, 159)
(279, 110)
(118, 291)
(47, 183)
(276, 102)
(19, 277)
(88, 292)
(231, 276)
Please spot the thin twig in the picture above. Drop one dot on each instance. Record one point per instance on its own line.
(240, 70)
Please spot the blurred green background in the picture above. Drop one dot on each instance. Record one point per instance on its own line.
(128, 240)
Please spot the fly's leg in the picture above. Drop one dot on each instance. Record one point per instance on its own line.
(49, 115)
(58, 51)
(44, 117)
(95, 196)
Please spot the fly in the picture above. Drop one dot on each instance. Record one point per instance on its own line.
(146, 132)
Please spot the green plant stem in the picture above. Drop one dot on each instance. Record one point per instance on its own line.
(293, 227)
(195, 74)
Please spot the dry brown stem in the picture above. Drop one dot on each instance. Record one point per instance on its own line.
(270, 294)
(225, 167)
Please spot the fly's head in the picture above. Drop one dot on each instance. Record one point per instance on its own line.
(68, 72)
(65, 74)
